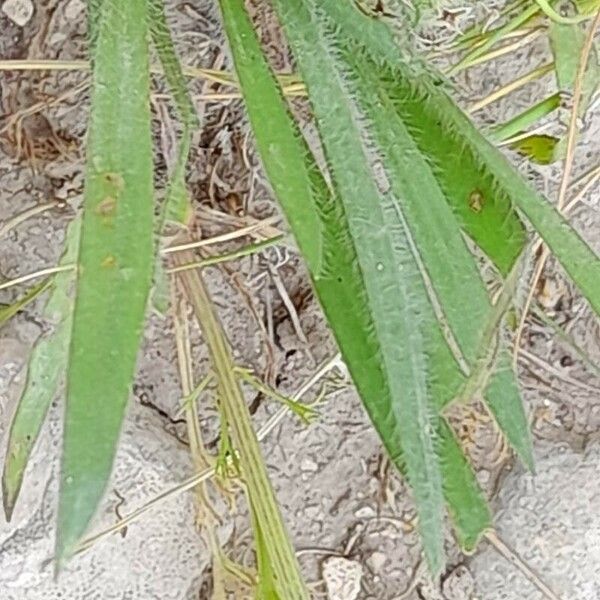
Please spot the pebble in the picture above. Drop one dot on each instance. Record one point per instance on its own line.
(18, 11)
(342, 578)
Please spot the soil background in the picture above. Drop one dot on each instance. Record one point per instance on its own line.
(349, 515)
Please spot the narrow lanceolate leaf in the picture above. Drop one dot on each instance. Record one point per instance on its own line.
(341, 287)
(177, 206)
(270, 532)
(575, 255)
(9, 311)
(114, 267)
(280, 143)
(566, 42)
(435, 105)
(398, 303)
(484, 210)
(524, 120)
(415, 173)
(468, 509)
(46, 369)
(503, 400)
(541, 149)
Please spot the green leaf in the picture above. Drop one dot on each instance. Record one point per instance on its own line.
(399, 85)
(116, 258)
(575, 255)
(436, 237)
(468, 509)
(46, 369)
(580, 262)
(10, 310)
(519, 123)
(566, 42)
(503, 398)
(483, 208)
(343, 296)
(177, 205)
(539, 148)
(284, 155)
(397, 301)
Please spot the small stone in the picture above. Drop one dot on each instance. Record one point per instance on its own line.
(74, 9)
(459, 584)
(365, 512)
(342, 578)
(376, 561)
(18, 11)
(309, 466)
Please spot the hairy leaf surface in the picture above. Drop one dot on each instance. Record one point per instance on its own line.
(115, 262)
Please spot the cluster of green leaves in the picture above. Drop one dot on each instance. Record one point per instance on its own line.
(381, 224)
(406, 175)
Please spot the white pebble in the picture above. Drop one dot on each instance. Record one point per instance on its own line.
(18, 11)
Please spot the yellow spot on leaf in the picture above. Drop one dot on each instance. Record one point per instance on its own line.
(109, 262)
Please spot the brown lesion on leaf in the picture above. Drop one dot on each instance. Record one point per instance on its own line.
(114, 180)
(476, 201)
(106, 207)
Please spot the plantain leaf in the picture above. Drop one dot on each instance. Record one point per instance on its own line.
(45, 371)
(115, 265)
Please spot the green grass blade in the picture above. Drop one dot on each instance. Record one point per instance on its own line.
(503, 398)
(513, 23)
(270, 532)
(520, 122)
(541, 149)
(413, 181)
(280, 143)
(575, 255)
(566, 42)
(116, 258)
(493, 374)
(46, 369)
(177, 206)
(9, 311)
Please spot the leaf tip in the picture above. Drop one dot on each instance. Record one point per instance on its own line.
(9, 498)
